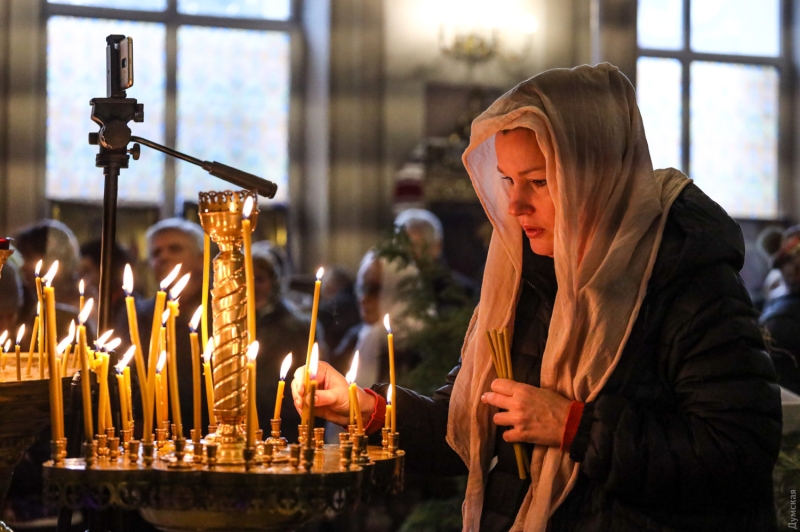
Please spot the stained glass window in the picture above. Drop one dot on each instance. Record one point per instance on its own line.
(734, 132)
(736, 27)
(233, 105)
(660, 24)
(142, 5)
(659, 95)
(266, 9)
(76, 73)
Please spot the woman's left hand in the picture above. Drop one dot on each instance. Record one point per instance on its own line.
(535, 415)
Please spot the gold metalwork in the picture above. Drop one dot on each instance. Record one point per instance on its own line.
(221, 218)
(4, 254)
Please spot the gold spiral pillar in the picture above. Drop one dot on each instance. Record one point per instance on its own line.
(221, 218)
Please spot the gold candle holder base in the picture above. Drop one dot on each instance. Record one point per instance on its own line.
(278, 442)
(58, 451)
(125, 436)
(249, 457)
(148, 449)
(385, 438)
(346, 454)
(102, 446)
(161, 438)
(133, 452)
(211, 454)
(294, 455)
(308, 458)
(113, 448)
(302, 434)
(89, 451)
(344, 437)
(360, 456)
(394, 443)
(319, 438)
(180, 453)
(264, 453)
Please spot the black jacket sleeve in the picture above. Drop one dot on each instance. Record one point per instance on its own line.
(422, 424)
(721, 438)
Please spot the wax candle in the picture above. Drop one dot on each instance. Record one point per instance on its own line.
(34, 336)
(355, 408)
(81, 288)
(86, 391)
(196, 403)
(102, 377)
(155, 344)
(161, 408)
(42, 317)
(56, 410)
(164, 390)
(247, 231)
(252, 352)
(20, 334)
(388, 326)
(141, 371)
(112, 345)
(123, 387)
(66, 347)
(287, 363)
(6, 347)
(387, 422)
(172, 361)
(312, 333)
(312, 390)
(209, 350)
(206, 281)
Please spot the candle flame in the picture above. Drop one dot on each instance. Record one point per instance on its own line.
(62, 345)
(71, 334)
(162, 359)
(179, 286)
(100, 342)
(351, 375)
(252, 351)
(287, 363)
(7, 345)
(87, 308)
(195, 321)
(3, 337)
(320, 273)
(113, 344)
(127, 280)
(313, 366)
(209, 350)
(81, 287)
(387, 324)
(126, 358)
(248, 207)
(38, 269)
(20, 333)
(389, 396)
(170, 278)
(51, 273)
(164, 317)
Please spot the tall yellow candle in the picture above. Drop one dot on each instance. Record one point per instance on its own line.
(102, 376)
(172, 361)
(212, 418)
(158, 385)
(387, 422)
(312, 391)
(124, 387)
(355, 408)
(56, 411)
(41, 312)
(206, 282)
(312, 333)
(247, 231)
(34, 336)
(123, 400)
(86, 391)
(252, 353)
(141, 371)
(196, 403)
(66, 346)
(20, 334)
(3, 338)
(155, 345)
(388, 326)
(287, 363)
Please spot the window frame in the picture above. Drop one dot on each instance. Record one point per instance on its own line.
(784, 66)
(172, 19)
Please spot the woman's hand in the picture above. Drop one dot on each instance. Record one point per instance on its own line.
(332, 398)
(535, 415)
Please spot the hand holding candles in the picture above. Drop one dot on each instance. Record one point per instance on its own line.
(209, 350)
(86, 391)
(196, 405)
(287, 363)
(312, 390)
(355, 408)
(252, 352)
(388, 326)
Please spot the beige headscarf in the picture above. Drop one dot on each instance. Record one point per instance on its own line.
(611, 208)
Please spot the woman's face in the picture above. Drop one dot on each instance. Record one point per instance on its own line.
(369, 290)
(522, 165)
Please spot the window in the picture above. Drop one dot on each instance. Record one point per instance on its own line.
(708, 84)
(214, 78)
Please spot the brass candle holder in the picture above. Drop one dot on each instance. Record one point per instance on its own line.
(221, 218)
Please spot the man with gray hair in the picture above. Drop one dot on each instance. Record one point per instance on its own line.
(176, 241)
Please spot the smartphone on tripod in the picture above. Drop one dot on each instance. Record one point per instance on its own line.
(126, 63)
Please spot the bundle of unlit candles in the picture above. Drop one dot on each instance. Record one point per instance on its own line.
(501, 357)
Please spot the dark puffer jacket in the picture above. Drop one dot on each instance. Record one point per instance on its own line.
(685, 433)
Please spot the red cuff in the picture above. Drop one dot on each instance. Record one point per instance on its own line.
(378, 418)
(571, 428)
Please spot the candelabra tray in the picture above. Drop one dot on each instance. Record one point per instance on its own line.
(198, 497)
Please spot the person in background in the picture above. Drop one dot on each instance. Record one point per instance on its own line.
(338, 307)
(781, 314)
(89, 272)
(10, 299)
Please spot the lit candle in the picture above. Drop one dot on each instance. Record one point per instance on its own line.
(123, 387)
(42, 318)
(6, 347)
(162, 342)
(196, 404)
(155, 342)
(81, 288)
(20, 334)
(206, 281)
(102, 376)
(312, 390)
(161, 408)
(312, 332)
(247, 231)
(172, 361)
(67, 347)
(110, 346)
(86, 391)
(388, 326)
(387, 422)
(56, 412)
(3, 338)
(355, 408)
(34, 336)
(141, 371)
(252, 352)
(287, 363)
(212, 419)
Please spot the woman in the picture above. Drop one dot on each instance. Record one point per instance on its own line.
(643, 388)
